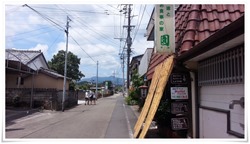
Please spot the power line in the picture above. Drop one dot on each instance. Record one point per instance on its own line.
(139, 23)
(45, 17)
(13, 10)
(30, 36)
(28, 31)
(91, 42)
(113, 7)
(138, 18)
(101, 35)
(55, 40)
(83, 49)
(94, 12)
(104, 36)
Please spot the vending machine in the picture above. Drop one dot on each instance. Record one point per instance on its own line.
(178, 94)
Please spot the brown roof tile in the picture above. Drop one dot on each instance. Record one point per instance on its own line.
(195, 23)
(154, 61)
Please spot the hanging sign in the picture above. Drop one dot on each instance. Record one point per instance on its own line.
(179, 123)
(178, 78)
(179, 92)
(164, 28)
(179, 107)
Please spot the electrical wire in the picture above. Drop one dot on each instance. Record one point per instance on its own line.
(27, 32)
(94, 12)
(139, 23)
(55, 40)
(30, 36)
(101, 35)
(138, 18)
(83, 49)
(95, 46)
(113, 7)
(104, 36)
(46, 18)
(13, 10)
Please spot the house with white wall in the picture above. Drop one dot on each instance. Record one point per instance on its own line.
(143, 67)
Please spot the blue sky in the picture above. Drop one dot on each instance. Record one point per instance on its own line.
(92, 33)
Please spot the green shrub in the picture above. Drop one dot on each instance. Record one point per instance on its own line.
(134, 102)
(163, 113)
(128, 100)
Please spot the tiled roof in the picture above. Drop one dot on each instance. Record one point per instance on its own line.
(195, 23)
(51, 73)
(23, 56)
(154, 61)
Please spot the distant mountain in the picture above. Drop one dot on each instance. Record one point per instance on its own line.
(115, 80)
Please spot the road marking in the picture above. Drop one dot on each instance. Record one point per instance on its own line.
(128, 123)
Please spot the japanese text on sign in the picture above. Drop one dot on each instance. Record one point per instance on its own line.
(179, 93)
(178, 78)
(165, 28)
(179, 107)
(179, 123)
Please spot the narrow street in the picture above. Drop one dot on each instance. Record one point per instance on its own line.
(109, 118)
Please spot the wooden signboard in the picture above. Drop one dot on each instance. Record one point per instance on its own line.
(164, 76)
(147, 104)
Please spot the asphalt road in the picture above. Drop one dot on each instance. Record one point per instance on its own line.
(109, 118)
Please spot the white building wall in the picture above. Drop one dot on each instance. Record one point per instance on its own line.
(37, 63)
(143, 67)
(213, 124)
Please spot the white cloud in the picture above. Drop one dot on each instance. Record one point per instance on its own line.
(43, 48)
(139, 46)
(93, 30)
(106, 55)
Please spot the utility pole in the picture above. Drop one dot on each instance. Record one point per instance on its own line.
(114, 83)
(65, 65)
(123, 75)
(96, 80)
(129, 43)
(122, 58)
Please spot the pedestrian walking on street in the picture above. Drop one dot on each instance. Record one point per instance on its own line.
(91, 96)
(94, 98)
(87, 97)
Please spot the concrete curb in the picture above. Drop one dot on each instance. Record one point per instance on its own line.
(135, 110)
(15, 114)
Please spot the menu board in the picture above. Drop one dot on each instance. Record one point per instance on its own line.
(179, 123)
(179, 107)
(179, 92)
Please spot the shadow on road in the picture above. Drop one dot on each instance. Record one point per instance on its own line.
(14, 129)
